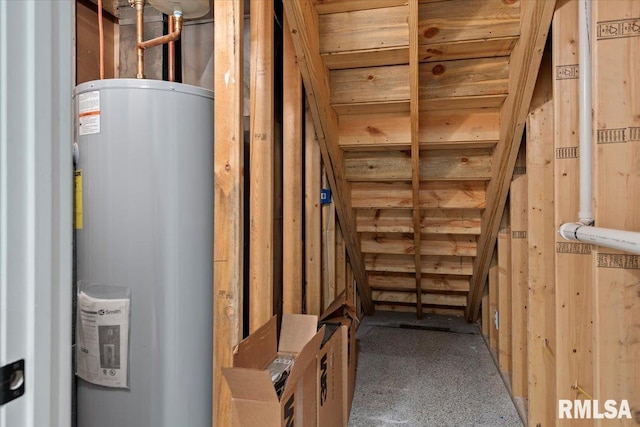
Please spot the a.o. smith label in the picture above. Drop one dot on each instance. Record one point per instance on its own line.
(628, 262)
(567, 153)
(567, 72)
(618, 28)
(573, 248)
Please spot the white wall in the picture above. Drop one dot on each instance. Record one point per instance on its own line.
(36, 75)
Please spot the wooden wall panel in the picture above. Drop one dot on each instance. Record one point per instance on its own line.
(616, 55)
(541, 233)
(574, 261)
(519, 282)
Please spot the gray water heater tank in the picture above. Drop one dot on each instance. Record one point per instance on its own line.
(145, 222)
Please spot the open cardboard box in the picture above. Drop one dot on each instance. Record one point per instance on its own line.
(254, 401)
(341, 313)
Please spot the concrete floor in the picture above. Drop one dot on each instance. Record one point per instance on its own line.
(433, 372)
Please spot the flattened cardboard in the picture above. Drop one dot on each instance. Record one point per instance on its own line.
(332, 378)
(344, 313)
(255, 402)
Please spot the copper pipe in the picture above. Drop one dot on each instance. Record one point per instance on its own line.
(171, 37)
(172, 51)
(101, 35)
(139, 5)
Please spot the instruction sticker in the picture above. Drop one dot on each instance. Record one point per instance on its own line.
(103, 340)
(78, 200)
(89, 113)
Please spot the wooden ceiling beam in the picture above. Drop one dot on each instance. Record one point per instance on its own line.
(303, 24)
(525, 61)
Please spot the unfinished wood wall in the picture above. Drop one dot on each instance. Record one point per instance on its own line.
(88, 42)
(574, 308)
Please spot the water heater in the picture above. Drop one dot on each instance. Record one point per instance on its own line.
(144, 222)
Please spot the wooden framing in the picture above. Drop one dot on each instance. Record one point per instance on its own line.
(328, 255)
(519, 275)
(313, 220)
(301, 15)
(228, 221)
(494, 289)
(616, 178)
(573, 269)
(415, 149)
(292, 219)
(535, 18)
(261, 191)
(541, 337)
(504, 293)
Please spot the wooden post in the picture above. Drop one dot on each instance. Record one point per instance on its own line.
(313, 220)
(292, 280)
(504, 293)
(493, 280)
(228, 222)
(328, 249)
(415, 147)
(485, 314)
(541, 234)
(519, 272)
(616, 55)
(341, 261)
(574, 261)
(261, 158)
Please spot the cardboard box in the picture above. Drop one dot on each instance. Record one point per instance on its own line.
(254, 401)
(343, 313)
(332, 377)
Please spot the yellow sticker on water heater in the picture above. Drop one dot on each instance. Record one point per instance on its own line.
(78, 199)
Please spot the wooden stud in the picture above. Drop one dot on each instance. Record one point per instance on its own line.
(573, 272)
(519, 282)
(493, 305)
(410, 308)
(292, 279)
(486, 314)
(261, 160)
(525, 61)
(541, 234)
(337, 6)
(616, 179)
(228, 221)
(427, 299)
(313, 220)
(504, 294)
(415, 149)
(341, 262)
(303, 22)
(328, 250)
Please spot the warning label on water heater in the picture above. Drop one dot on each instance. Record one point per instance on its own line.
(89, 113)
(103, 340)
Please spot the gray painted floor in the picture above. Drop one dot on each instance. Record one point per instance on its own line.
(433, 372)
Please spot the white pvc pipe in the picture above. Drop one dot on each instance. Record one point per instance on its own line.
(585, 214)
(628, 241)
